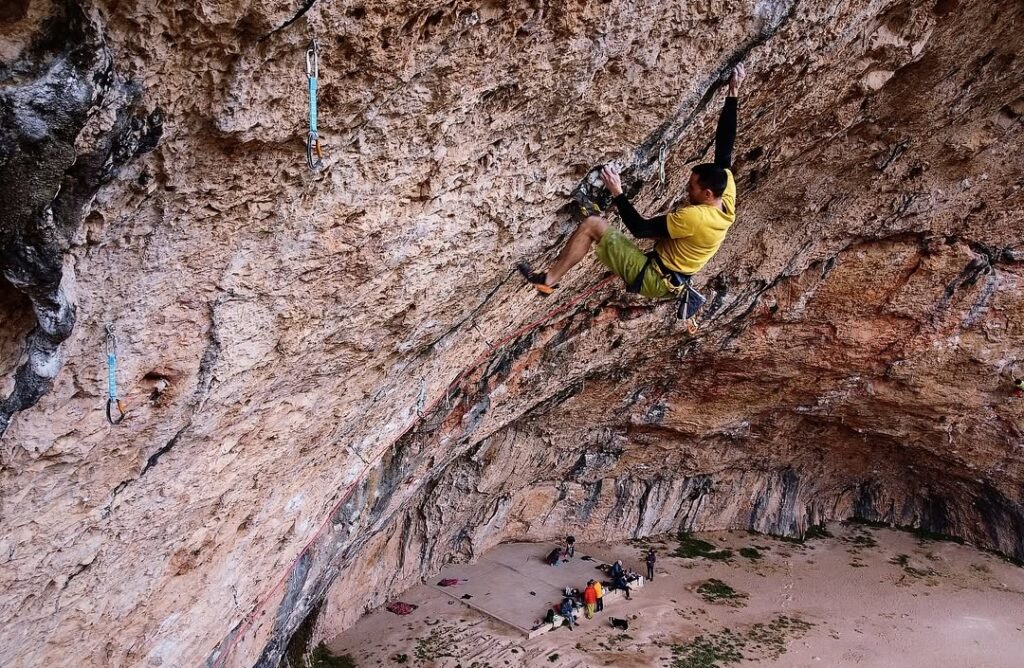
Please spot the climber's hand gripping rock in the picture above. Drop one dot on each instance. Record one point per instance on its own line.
(611, 180)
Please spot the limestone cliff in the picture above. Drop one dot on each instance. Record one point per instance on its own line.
(335, 382)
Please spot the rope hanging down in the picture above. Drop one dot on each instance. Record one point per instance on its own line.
(112, 400)
(314, 154)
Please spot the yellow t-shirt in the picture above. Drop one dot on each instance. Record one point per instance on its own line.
(696, 232)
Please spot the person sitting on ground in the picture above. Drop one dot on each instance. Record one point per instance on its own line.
(618, 575)
(590, 600)
(553, 557)
(620, 583)
(567, 611)
(687, 238)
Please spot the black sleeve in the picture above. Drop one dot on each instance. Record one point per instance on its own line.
(725, 135)
(640, 227)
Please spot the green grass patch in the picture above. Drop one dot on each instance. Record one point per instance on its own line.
(437, 644)
(769, 640)
(716, 591)
(862, 540)
(695, 548)
(903, 561)
(817, 531)
(709, 651)
(618, 639)
(919, 573)
(323, 658)
(751, 553)
(932, 536)
(760, 641)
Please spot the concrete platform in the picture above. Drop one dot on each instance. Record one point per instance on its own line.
(512, 584)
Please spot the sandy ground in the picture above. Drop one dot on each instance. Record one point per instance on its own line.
(863, 597)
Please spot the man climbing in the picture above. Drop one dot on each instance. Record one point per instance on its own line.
(687, 238)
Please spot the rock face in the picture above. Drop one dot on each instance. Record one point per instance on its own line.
(335, 383)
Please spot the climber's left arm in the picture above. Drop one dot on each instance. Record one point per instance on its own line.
(638, 226)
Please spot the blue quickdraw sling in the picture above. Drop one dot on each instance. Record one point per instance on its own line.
(314, 154)
(112, 400)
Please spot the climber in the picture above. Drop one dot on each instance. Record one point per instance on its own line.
(687, 237)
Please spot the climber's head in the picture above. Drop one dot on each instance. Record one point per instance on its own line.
(707, 183)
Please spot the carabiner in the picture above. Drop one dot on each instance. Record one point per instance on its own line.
(313, 60)
(313, 149)
(120, 409)
(110, 346)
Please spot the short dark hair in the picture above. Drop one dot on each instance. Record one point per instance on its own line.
(712, 177)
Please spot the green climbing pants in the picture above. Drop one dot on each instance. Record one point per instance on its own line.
(622, 256)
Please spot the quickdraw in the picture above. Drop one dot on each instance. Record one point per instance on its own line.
(662, 157)
(112, 400)
(314, 154)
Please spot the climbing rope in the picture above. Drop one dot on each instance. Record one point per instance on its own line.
(314, 154)
(112, 400)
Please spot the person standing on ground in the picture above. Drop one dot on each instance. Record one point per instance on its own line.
(589, 600)
(651, 558)
(599, 590)
(570, 546)
(686, 238)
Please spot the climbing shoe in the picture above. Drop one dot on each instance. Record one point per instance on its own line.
(537, 278)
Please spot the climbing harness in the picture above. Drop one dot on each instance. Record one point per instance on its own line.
(314, 154)
(689, 301)
(662, 157)
(112, 400)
